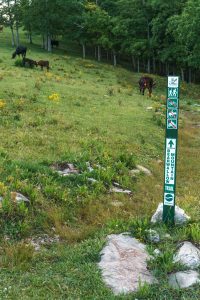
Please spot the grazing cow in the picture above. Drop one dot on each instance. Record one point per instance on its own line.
(31, 63)
(1, 28)
(54, 43)
(43, 64)
(146, 82)
(20, 50)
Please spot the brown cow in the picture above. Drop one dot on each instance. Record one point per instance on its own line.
(43, 63)
(27, 61)
(146, 82)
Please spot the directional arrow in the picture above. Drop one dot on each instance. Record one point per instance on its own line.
(171, 143)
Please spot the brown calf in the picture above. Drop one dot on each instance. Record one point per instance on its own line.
(31, 63)
(43, 64)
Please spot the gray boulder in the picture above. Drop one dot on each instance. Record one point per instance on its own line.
(180, 215)
(184, 279)
(124, 264)
(188, 255)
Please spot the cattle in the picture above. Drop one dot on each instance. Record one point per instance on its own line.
(43, 64)
(30, 62)
(54, 43)
(1, 28)
(20, 50)
(146, 82)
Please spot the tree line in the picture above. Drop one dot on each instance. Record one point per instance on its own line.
(153, 36)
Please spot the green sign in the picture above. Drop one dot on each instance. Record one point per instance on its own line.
(172, 107)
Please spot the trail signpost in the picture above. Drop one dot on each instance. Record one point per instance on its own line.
(172, 113)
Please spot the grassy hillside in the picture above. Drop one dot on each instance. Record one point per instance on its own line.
(82, 111)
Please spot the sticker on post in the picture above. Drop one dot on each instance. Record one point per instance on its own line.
(170, 161)
(169, 199)
(172, 124)
(173, 81)
(172, 103)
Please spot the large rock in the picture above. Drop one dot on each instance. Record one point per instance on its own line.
(144, 170)
(184, 279)
(180, 215)
(188, 255)
(123, 264)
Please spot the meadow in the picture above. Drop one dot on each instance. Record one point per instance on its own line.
(82, 111)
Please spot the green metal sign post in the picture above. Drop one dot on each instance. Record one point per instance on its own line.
(172, 113)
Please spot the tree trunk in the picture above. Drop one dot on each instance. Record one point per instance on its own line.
(182, 74)
(95, 52)
(149, 66)
(30, 38)
(114, 59)
(138, 65)
(13, 36)
(83, 50)
(99, 53)
(49, 48)
(17, 35)
(167, 68)
(154, 65)
(190, 75)
(133, 62)
(107, 55)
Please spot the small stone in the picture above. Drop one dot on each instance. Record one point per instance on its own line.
(180, 215)
(184, 279)
(90, 169)
(92, 180)
(156, 252)
(153, 236)
(144, 170)
(188, 255)
(119, 190)
(149, 108)
(159, 162)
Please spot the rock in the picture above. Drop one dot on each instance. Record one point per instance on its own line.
(92, 180)
(156, 252)
(184, 279)
(65, 169)
(180, 215)
(188, 255)
(90, 169)
(123, 264)
(149, 108)
(144, 170)
(159, 162)
(153, 236)
(119, 190)
(43, 240)
(18, 198)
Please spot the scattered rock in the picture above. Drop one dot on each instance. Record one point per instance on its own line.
(184, 279)
(43, 240)
(166, 236)
(156, 252)
(188, 255)
(149, 108)
(65, 169)
(180, 215)
(18, 198)
(90, 169)
(144, 170)
(119, 190)
(153, 236)
(92, 180)
(123, 264)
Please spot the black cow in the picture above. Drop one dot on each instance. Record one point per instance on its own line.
(54, 43)
(43, 63)
(20, 50)
(146, 82)
(27, 61)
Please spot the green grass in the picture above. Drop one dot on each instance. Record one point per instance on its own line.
(101, 118)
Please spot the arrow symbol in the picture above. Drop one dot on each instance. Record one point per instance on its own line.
(171, 143)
